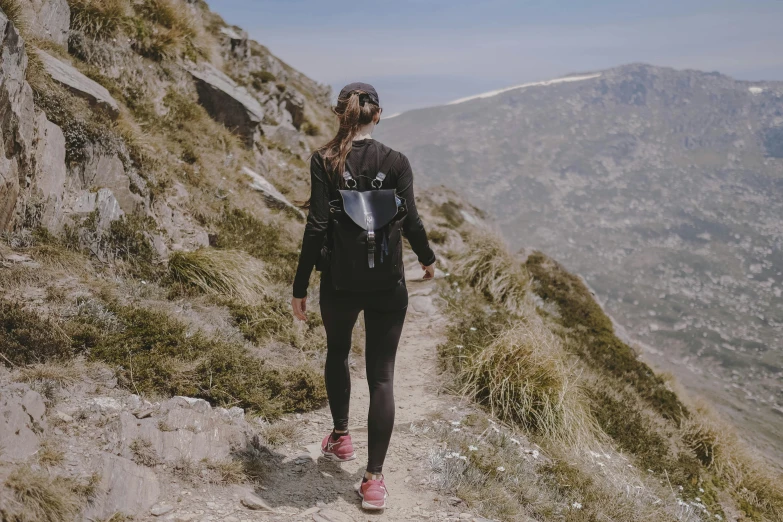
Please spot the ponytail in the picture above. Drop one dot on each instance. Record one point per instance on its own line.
(353, 112)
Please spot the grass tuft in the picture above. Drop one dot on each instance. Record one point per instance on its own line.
(13, 10)
(227, 273)
(283, 432)
(522, 376)
(99, 19)
(41, 498)
(489, 267)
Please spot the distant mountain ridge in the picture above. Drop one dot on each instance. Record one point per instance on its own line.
(664, 188)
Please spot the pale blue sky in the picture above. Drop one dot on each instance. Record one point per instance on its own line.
(426, 52)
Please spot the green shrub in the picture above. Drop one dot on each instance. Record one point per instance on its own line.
(261, 77)
(154, 353)
(237, 229)
(452, 213)
(595, 340)
(270, 318)
(311, 129)
(27, 338)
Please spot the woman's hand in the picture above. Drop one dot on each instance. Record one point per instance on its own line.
(299, 304)
(429, 271)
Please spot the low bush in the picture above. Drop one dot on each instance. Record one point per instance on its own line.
(270, 319)
(489, 267)
(238, 229)
(156, 354)
(27, 338)
(227, 273)
(311, 129)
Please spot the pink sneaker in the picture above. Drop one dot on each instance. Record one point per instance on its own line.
(373, 493)
(340, 450)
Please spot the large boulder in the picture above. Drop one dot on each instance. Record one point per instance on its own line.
(173, 214)
(227, 102)
(17, 119)
(21, 422)
(79, 84)
(273, 196)
(48, 183)
(48, 19)
(126, 488)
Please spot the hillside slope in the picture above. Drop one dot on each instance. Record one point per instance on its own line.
(662, 188)
(152, 158)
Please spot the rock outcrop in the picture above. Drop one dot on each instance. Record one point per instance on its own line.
(67, 75)
(48, 183)
(226, 101)
(126, 488)
(48, 19)
(22, 421)
(17, 119)
(106, 170)
(273, 196)
(86, 202)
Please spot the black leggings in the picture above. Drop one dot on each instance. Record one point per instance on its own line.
(384, 314)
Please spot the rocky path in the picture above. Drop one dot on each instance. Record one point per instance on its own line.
(307, 487)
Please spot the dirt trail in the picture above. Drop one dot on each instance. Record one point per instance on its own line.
(305, 482)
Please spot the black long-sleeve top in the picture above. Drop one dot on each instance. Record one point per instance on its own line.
(363, 162)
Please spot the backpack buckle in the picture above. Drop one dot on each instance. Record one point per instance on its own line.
(370, 241)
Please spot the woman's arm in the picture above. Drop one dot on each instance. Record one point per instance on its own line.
(315, 230)
(413, 228)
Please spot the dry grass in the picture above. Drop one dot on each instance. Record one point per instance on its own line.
(99, 19)
(39, 497)
(492, 269)
(757, 487)
(13, 10)
(49, 454)
(227, 273)
(279, 433)
(523, 376)
(225, 472)
(61, 374)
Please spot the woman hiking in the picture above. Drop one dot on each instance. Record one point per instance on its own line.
(361, 202)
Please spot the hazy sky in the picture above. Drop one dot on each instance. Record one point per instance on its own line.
(427, 52)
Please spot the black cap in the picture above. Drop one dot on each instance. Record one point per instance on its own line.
(372, 95)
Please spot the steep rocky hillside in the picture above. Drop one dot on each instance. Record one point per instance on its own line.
(663, 188)
(150, 369)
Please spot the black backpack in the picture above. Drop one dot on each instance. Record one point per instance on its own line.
(366, 250)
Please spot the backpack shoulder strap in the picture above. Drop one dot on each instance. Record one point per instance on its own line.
(391, 157)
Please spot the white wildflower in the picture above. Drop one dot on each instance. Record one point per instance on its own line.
(456, 429)
(576, 505)
(701, 490)
(472, 328)
(472, 448)
(459, 346)
(455, 423)
(515, 441)
(501, 469)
